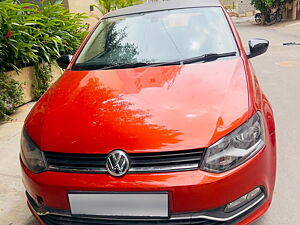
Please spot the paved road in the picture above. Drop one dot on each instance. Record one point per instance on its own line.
(279, 75)
(13, 209)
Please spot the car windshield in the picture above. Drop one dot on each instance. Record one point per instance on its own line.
(157, 37)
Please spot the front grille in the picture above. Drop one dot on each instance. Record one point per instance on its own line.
(57, 219)
(140, 162)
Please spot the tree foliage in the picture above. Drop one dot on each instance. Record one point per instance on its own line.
(263, 5)
(31, 33)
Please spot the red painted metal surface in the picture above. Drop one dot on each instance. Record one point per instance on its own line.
(141, 110)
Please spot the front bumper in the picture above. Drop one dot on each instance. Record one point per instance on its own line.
(191, 193)
(212, 217)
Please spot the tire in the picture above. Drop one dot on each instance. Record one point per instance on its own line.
(279, 18)
(258, 18)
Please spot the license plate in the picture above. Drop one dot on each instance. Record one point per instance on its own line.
(120, 204)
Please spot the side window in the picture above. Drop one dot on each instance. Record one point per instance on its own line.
(98, 46)
(95, 46)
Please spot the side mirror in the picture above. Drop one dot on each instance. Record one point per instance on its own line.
(64, 61)
(257, 47)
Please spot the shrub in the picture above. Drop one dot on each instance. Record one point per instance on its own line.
(264, 5)
(10, 96)
(31, 35)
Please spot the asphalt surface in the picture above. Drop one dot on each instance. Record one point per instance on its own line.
(279, 74)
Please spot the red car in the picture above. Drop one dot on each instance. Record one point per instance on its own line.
(158, 119)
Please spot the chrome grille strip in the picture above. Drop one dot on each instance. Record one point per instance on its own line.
(184, 167)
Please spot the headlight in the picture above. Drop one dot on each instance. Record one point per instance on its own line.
(236, 147)
(31, 155)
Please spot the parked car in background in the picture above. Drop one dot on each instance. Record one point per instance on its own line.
(158, 119)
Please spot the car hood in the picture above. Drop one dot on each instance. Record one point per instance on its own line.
(141, 110)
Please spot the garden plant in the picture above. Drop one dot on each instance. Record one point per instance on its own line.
(34, 35)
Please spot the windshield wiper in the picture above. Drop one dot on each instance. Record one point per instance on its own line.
(202, 58)
(138, 64)
(207, 57)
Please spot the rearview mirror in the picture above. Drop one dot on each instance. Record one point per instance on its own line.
(64, 61)
(257, 47)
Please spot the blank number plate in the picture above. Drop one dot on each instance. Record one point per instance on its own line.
(119, 204)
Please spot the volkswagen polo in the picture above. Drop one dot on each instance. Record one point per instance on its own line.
(158, 119)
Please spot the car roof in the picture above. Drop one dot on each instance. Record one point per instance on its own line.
(162, 5)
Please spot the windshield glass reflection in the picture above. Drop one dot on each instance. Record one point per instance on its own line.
(157, 37)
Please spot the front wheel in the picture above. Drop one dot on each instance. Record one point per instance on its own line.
(258, 18)
(279, 18)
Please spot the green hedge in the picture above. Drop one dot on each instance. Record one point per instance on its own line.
(31, 35)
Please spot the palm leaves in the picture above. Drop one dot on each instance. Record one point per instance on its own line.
(105, 6)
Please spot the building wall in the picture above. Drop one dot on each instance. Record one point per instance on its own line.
(26, 76)
(228, 3)
(296, 10)
(292, 10)
(244, 6)
(84, 6)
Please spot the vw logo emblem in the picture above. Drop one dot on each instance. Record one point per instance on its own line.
(117, 163)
